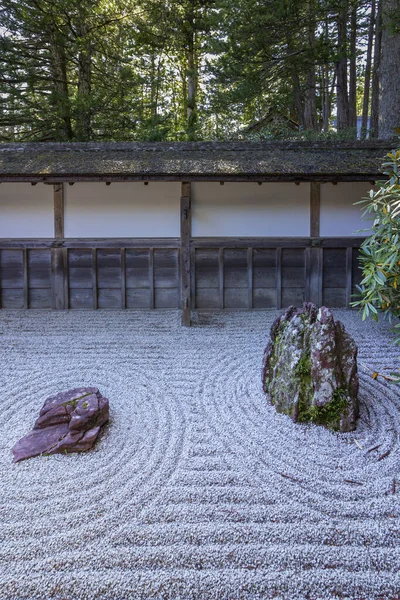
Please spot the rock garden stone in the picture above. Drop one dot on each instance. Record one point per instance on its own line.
(68, 422)
(310, 368)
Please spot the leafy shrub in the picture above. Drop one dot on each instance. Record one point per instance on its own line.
(379, 292)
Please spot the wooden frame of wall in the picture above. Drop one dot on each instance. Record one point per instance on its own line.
(185, 272)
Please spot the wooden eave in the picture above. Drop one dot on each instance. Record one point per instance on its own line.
(197, 161)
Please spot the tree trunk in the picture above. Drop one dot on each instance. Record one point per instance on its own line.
(376, 74)
(389, 110)
(84, 99)
(298, 98)
(367, 76)
(310, 105)
(353, 68)
(191, 81)
(341, 69)
(60, 95)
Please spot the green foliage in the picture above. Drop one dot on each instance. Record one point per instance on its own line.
(379, 292)
(159, 70)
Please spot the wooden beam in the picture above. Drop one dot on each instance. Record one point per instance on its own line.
(315, 208)
(58, 195)
(279, 278)
(221, 277)
(151, 278)
(123, 277)
(314, 274)
(59, 270)
(185, 253)
(94, 279)
(25, 277)
(206, 242)
(250, 277)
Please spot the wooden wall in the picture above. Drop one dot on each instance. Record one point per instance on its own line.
(224, 275)
(183, 272)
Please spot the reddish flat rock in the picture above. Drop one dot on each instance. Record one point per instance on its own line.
(68, 422)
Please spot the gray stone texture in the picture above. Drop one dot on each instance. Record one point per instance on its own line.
(310, 368)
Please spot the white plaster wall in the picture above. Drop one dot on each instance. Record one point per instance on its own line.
(26, 211)
(131, 209)
(250, 210)
(339, 216)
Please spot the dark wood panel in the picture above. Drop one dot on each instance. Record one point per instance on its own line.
(207, 298)
(206, 269)
(109, 298)
(264, 258)
(356, 270)
(235, 257)
(166, 277)
(80, 258)
(293, 257)
(80, 298)
(334, 257)
(167, 258)
(235, 298)
(109, 277)
(137, 298)
(335, 277)
(264, 298)
(12, 298)
(166, 298)
(207, 278)
(39, 268)
(334, 268)
(235, 277)
(293, 277)
(108, 258)
(295, 296)
(235, 269)
(40, 298)
(137, 278)
(11, 269)
(206, 258)
(80, 278)
(334, 297)
(264, 277)
(137, 258)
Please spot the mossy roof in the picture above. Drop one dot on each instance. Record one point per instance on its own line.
(191, 161)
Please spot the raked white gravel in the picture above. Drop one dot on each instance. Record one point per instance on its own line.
(197, 489)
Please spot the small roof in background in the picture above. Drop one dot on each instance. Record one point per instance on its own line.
(193, 161)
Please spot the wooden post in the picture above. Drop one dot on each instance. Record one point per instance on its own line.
(315, 258)
(315, 208)
(58, 194)
(349, 275)
(59, 257)
(186, 234)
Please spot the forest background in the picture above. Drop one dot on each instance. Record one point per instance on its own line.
(79, 70)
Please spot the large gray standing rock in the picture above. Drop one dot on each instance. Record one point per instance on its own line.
(68, 422)
(310, 368)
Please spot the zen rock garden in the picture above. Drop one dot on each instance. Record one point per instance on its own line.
(310, 368)
(68, 422)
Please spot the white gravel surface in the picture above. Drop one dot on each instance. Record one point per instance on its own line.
(183, 496)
